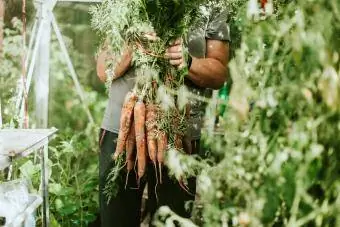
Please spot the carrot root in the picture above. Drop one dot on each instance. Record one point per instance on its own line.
(156, 181)
(162, 143)
(184, 187)
(134, 168)
(139, 115)
(160, 173)
(127, 179)
(125, 122)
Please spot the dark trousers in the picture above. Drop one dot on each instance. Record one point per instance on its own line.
(124, 210)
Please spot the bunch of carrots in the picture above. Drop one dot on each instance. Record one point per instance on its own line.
(139, 133)
(142, 138)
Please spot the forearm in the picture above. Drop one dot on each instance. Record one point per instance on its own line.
(124, 64)
(207, 72)
(121, 67)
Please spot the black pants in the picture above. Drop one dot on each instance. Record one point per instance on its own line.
(124, 210)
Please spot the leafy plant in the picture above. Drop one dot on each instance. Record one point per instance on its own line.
(74, 185)
(10, 62)
(73, 154)
(275, 161)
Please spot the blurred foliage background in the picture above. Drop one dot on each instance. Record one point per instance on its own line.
(275, 157)
(73, 153)
(272, 163)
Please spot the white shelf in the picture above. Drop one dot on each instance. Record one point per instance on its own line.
(16, 143)
(22, 142)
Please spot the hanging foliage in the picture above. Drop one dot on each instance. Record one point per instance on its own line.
(276, 162)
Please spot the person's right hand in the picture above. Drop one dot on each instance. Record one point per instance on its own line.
(175, 54)
(147, 38)
(151, 36)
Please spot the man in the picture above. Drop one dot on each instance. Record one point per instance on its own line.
(208, 45)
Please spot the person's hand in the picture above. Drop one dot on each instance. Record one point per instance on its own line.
(151, 36)
(175, 54)
(146, 38)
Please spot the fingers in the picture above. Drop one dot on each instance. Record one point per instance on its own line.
(176, 62)
(151, 36)
(175, 53)
(176, 42)
(174, 56)
(175, 49)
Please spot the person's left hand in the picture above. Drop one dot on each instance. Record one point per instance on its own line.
(175, 54)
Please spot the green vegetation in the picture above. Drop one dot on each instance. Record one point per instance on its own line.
(276, 164)
(272, 163)
(73, 153)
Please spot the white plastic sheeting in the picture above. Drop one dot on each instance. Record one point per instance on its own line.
(17, 204)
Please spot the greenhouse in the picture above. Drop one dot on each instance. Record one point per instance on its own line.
(127, 113)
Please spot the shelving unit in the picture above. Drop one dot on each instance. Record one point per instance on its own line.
(18, 143)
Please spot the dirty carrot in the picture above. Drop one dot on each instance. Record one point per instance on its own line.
(125, 122)
(162, 145)
(139, 116)
(130, 147)
(184, 187)
(151, 115)
(130, 142)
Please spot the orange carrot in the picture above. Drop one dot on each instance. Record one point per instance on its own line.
(162, 145)
(129, 147)
(151, 115)
(130, 143)
(139, 115)
(184, 187)
(125, 122)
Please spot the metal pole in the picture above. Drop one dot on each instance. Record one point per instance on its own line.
(41, 82)
(42, 69)
(44, 184)
(41, 96)
(31, 68)
(21, 86)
